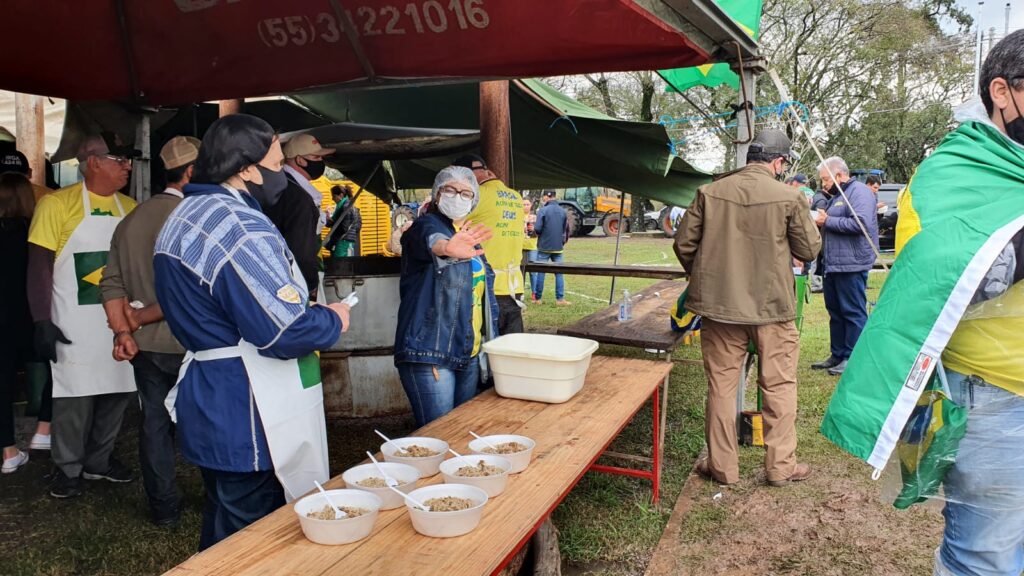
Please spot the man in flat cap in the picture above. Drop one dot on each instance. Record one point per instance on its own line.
(140, 333)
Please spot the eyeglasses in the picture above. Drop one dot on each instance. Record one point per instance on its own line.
(119, 159)
(451, 192)
(478, 167)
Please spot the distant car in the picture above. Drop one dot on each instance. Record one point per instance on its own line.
(888, 215)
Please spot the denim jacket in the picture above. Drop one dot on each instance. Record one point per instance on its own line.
(435, 316)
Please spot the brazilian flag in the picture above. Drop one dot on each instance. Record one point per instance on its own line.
(88, 270)
(747, 14)
(964, 202)
(309, 370)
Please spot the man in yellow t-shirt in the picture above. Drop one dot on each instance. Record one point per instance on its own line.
(69, 239)
(500, 209)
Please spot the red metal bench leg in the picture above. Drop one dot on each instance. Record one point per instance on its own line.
(656, 471)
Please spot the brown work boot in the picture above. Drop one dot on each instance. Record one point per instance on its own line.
(563, 303)
(800, 473)
(703, 469)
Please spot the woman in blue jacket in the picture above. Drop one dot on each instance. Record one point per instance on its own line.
(447, 300)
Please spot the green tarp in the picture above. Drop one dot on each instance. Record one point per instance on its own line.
(557, 142)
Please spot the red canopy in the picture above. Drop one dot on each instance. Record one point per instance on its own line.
(178, 51)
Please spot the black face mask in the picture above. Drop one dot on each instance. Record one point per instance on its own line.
(1015, 127)
(270, 191)
(315, 168)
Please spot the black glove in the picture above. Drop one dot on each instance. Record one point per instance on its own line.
(45, 339)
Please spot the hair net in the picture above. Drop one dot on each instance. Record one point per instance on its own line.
(456, 174)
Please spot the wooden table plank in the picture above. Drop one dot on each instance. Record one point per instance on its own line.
(619, 270)
(570, 437)
(649, 327)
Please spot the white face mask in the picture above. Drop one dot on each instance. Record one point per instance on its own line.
(455, 208)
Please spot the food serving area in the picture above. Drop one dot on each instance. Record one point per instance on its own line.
(570, 437)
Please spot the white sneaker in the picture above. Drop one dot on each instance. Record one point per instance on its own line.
(39, 442)
(13, 463)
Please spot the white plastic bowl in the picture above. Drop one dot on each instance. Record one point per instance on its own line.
(405, 474)
(344, 531)
(427, 466)
(493, 485)
(519, 460)
(539, 367)
(447, 524)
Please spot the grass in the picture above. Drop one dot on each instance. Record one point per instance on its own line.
(608, 524)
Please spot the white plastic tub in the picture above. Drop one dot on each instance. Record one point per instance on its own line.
(519, 460)
(447, 524)
(405, 475)
(344, 531)
(493, 485)
(539, 367)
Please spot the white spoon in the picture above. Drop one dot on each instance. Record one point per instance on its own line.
(338, 512)
(489, 445)
(391, 482)
(415, 502)
(389, 441)
(460, 457)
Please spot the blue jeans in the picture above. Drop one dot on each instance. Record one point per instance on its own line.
(530, 256)
(234, 500)
(538, 286)
(984, 489)
(434, 391)
(846, 302)
(155, 375)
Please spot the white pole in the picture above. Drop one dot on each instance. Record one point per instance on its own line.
(977, 51)
(1006, 21)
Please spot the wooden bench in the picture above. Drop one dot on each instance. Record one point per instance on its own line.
(649, 329)
(613, 270)
(570, 437)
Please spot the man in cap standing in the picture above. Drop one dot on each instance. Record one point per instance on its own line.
(69, 239)
(140, 333)
(501, 210)
(737, 241)
(297, 212)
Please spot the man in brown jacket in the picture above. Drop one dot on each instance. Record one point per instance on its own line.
(738, 241)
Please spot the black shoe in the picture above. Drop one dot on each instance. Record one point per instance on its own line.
(838, 369)
(832, 362)
(64, 487)
(166, 515)
(116, 472)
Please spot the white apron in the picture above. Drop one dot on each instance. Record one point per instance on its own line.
(289, 396)
(85, 367)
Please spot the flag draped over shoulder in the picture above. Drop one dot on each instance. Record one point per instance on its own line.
(746, 13)
(967, 200)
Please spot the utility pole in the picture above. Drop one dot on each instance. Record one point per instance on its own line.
(977, 51)
(1006, 21)
(991, 39)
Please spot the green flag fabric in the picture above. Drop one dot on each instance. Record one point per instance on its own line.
(967, 200)
(746, 13)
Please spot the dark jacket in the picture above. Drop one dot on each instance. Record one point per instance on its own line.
(551, 227)
(296, 216)
(845, 247)
(820, 201)
(435, 316)
(16, 335)
(738, 240)
(351, 224)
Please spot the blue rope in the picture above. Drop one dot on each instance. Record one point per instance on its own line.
(567, 119)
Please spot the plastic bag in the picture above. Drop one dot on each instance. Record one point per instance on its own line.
(928, 444)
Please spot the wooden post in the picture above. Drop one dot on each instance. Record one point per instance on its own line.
(495, 128)
(28, 114)
(229, 107)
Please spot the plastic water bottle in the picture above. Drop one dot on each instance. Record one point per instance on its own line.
(625, 307)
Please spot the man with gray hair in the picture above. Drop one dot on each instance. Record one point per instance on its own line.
(69, 239)
(847, 256)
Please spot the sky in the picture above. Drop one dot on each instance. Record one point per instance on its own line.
(993, 13)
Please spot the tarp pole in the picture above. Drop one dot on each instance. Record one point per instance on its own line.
(495, 127)
(142, 169)
(28, 121)
(744, 117)
(618, 240)
(229, 107)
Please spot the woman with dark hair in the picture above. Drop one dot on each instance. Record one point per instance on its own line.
(16, 205)
(248, 403)
(447, 300)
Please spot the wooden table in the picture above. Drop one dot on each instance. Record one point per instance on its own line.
(620, 270)
(649, 329)
(570, 437)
